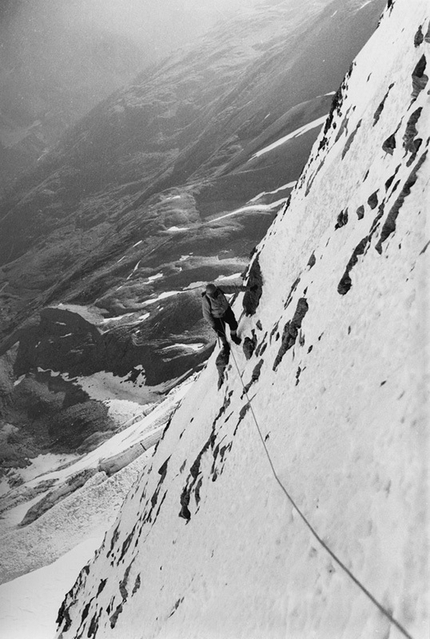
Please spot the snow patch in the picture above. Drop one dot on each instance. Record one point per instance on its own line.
(251, 207)
(294, 134)
(157, 276)
(29, 604)
(290, 185)
(162, 296)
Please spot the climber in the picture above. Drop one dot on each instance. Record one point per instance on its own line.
(217, 311)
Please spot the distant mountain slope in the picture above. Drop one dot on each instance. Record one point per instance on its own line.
(60, 59)
(193, 123)
(53, 69)
(169, 183)
(316, 440)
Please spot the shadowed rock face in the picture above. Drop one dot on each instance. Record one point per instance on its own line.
(221, 363)
(66, 342)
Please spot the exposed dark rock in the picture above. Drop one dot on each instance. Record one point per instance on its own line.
(414, 148)
(350, 140)
(312, 261)
(114, 618)
(292, 291)
(221, 363)
(419, 37)
(185, 511)
(114, 539)
(63, 341)
(85, 612)
(380, 108)
(419, 78)
(346, 283)
(152, 503)
(176, 606)
(411, 131)
(390, 180)
(249, 345)
(6, 379)
(373, 200)
(389, 226)
(389, 144)
(226, 404)
(36, 399)
(67, 342)
(377, 219)
(254, 377)
(360, 212)
(334, 109)
(126, 544)
(163, 469)
(137, 585)
(192, 479)
(64, 621)
(343, 127)
(123, 584)
(197, 490)
(74, 424)
(251, 299)
(242, 413)
(342, 219)
(291, 330)
(423, 250)
(411, 143)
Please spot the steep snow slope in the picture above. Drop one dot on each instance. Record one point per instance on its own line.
(209, 543)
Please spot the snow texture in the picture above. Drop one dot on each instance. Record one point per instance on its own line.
(336, 385)
(29, 604)
(326, 420)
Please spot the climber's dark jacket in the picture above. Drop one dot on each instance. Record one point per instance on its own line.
(215, 307)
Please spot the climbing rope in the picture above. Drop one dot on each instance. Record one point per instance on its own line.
(380, 607)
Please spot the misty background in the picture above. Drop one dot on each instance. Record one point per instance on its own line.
(59, 58)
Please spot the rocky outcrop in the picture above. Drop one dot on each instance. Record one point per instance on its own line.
(73, 425)
(66, 341)
(6, 378)
(221, 364)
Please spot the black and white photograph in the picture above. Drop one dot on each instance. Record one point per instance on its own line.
(214, 319)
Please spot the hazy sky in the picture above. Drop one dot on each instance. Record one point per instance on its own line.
(161, 24)
(58, 58)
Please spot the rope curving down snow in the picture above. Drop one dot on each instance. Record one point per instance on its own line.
(380, 607)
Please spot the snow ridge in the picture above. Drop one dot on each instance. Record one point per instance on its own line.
(335, 376)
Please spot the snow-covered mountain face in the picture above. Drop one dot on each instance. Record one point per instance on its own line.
(322, 423)
(167, 184)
